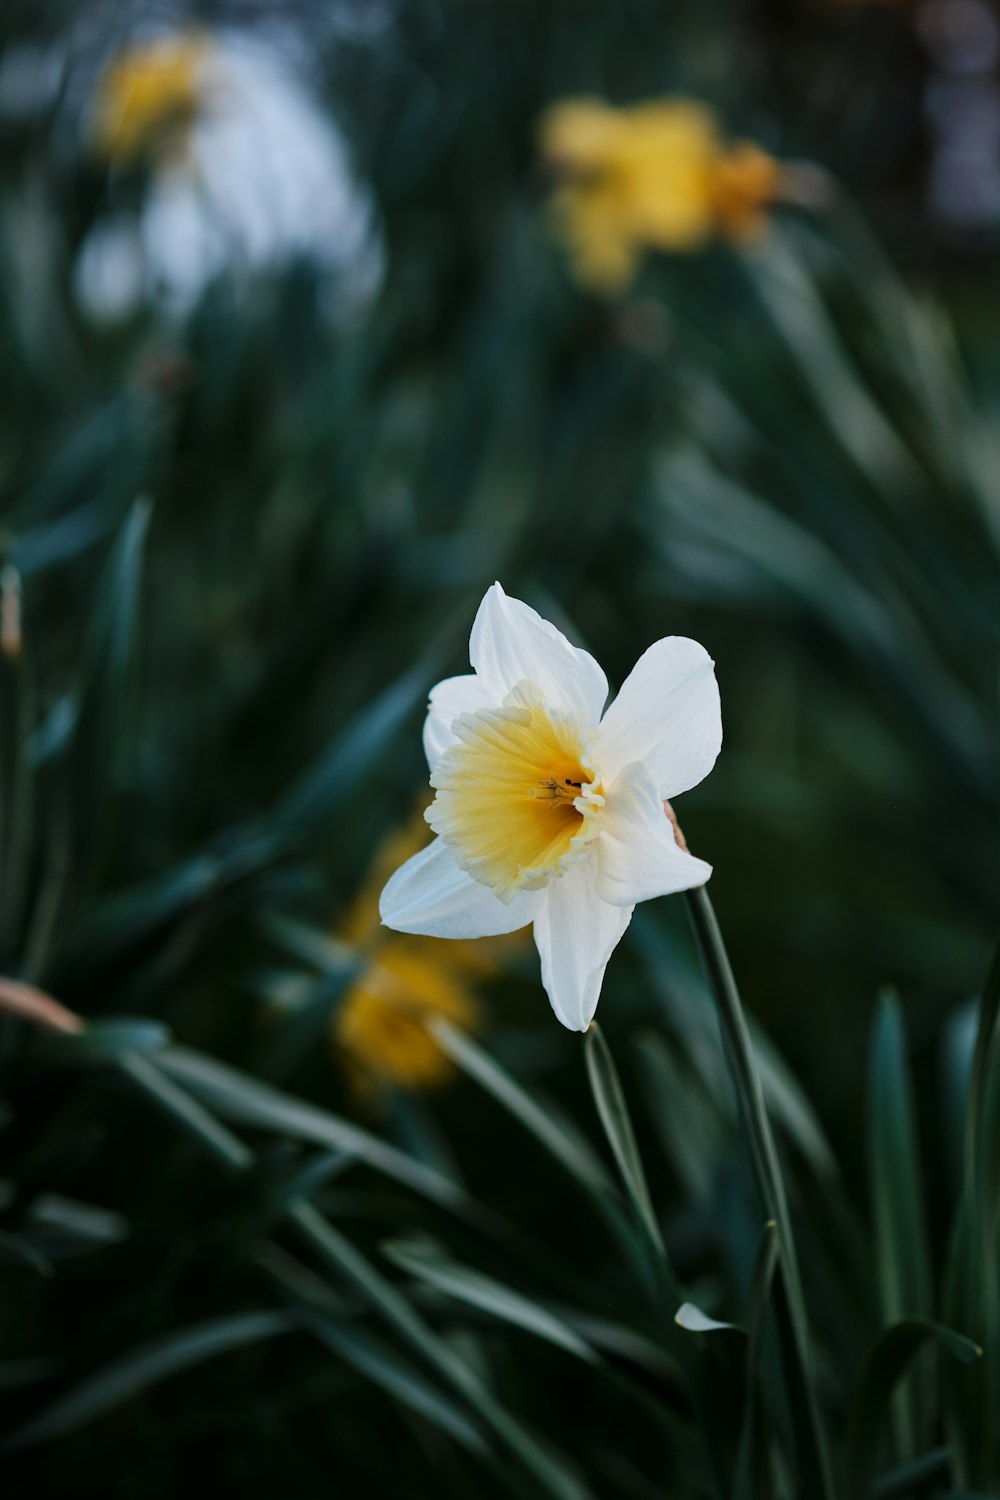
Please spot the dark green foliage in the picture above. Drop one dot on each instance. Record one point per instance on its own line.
(239, 547)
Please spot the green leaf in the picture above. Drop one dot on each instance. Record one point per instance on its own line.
(790, 1107)
(131, 915)
(916, 1476)
(83, 1222)
(486, 1294)
(694, 1132)
(350, 756)
(793, 1325)
(186, 1112)
(238, 1097)
(689, 1010)
(982, 1061)
(751, 1452)
(108, 1040)
(310, 945)
(902, 1251)
(856, 421)
(540, 1118)
(145, 1366)
(609, 1098)
(760, 1295)
(885, 1365)
(387, 1369)
(104, 692)
(45, 546)
(17, 779)
(307, 1028)
(547, 1467)
(972, 1284)
(610, 1337)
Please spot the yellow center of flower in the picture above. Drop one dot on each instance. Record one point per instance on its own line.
(147, 92)
(516, 800)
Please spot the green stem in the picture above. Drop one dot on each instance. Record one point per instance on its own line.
(790, 1307)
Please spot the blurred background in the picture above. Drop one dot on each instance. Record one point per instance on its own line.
(299, 354)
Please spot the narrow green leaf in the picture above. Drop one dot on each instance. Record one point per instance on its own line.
(145, 1366)
(690, 1012)
(750, 1455)
(760, 1295)
(57, 541)
(916, 1476)
(486, 1294)
(986, 1038)
(885, 1365)
(547, 1467)
(238, 1097)
(972, 1282)
(131, 915)
(350, 756)
(17, 780)
(307, 1028)
(387, 1369)
(612, 1338)
(309, 944)
(84, 1222)
(902, 1251)
(791, 1308)
(104, 692)
(540, 1118)
(107, 1040)
(613, 1111)
(792, 299)
(694, 1131)
(186, 1112)
(790, 1107)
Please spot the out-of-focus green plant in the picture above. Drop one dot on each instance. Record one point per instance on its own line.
(236, 550)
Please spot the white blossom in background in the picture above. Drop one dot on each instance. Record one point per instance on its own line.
(247, 174)
(548, 808)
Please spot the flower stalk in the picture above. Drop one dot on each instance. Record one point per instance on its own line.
(790, 1301)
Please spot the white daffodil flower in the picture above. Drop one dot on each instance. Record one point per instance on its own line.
(248, 175)
(548, 812)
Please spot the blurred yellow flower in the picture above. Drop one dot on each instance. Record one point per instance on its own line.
(382, 1024)
(654, 176)
(147, 93)
(380, 1028)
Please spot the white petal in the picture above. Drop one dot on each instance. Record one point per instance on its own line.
(667, 715)
(637, 855)
(576, 933)
(453, 696)
(511, 643)
(430, 895)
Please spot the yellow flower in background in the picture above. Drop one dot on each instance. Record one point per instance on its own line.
(381, 1027)
(147, 93)
(656, 176)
